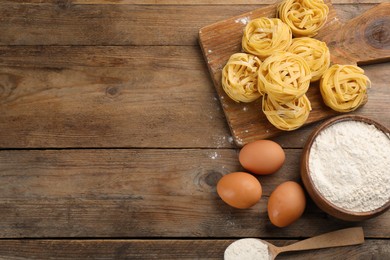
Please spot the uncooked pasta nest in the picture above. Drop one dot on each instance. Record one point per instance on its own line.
(239, 77)
(288, 116)
(304, 17)
(284, 76)
(263, 36)
(344, 87)
(280, 68)
(315, 53)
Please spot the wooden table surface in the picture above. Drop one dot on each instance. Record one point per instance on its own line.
(113, 138)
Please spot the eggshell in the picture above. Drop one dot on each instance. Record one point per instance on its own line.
(239, 189)
(286, 204)
(262, 157)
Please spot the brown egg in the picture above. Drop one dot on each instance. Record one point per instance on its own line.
(239, 189)
(286, 204)
(262, 157)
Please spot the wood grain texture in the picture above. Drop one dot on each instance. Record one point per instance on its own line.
(362, 40)
(171, 2)
(169, 249)
(222, 39)
(144, 193)
(74, 24)
(106, 24)
(130, 74)
(127, 97)
(77, 96)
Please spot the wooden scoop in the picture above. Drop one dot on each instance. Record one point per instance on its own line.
(343, 237)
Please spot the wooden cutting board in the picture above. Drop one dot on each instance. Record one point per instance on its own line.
(364, 39)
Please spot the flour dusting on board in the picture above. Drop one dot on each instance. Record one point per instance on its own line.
(243, 20)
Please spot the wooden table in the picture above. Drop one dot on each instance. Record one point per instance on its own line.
(112, 136)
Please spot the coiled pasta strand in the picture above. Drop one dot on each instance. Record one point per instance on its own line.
(239, 77)
(286, 116)
(263, 36)
(315, 53)
(344, 87)
(304, 17)
(284, 76)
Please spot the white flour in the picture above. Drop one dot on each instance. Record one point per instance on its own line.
(247, 249)
(350, 165)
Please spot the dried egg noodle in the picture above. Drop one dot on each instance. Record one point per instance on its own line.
(284, 76)
(289, 116)
(239, 77)
(263, 36)
(304, 17)
(315, 53)
(344, 87)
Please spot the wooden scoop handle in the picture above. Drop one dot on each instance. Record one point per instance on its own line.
(343, 237)
(363, 40)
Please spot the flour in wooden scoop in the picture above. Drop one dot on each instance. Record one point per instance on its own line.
(349, 164)
(247, 249)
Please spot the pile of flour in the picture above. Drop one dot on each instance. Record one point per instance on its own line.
(349, 164)
(247, 249)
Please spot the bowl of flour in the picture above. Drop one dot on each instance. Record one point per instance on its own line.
(345, 167)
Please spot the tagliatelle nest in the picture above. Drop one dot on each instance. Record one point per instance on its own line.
(284, 76)
(304, 17)
(315, 53)
(344, 87)
(288, 116)
(263, 36)
(239, 77)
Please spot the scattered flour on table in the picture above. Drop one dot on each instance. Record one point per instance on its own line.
(349, 164)
(247, 249)
(214, 155)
